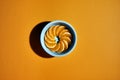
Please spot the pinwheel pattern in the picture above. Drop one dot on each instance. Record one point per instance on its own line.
(57, 38)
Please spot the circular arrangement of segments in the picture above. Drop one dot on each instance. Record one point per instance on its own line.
(58, 38)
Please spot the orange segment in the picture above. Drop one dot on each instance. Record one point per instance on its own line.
(59, 29)
(65, 43)
(66, 39)
(49, 40)
(50, 32)
(56, 48)
(62, 47)
(62, 32)
(67, 34)
(54, 30)
(48, 36)
(50, 45)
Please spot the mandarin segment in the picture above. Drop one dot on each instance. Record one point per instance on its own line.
(50, 45)
(62, 47)
(62, 32)
(68, 39)
(66, 34)
(59, 29)
(56, 48)
(65, 43)
(54, 29)
(48, 36)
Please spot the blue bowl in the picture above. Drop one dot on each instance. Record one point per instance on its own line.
(71, 46)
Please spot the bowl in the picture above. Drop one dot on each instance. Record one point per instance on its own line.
(73, 40)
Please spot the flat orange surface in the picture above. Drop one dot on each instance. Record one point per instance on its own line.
(97, 53)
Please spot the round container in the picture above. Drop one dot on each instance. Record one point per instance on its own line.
(73, 41)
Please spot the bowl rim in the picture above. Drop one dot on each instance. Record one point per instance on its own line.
(50, 24)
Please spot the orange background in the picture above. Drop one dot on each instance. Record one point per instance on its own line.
(97, 53)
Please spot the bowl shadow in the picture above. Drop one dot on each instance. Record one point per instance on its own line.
(34, 40)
